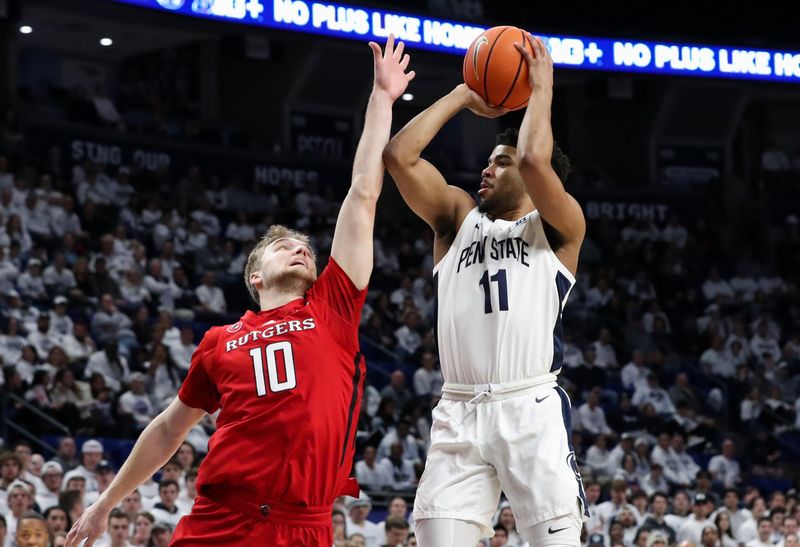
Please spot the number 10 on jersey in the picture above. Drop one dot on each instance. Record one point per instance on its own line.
(275, 383)
(502, 290)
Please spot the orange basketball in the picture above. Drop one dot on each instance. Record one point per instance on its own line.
(495, 70)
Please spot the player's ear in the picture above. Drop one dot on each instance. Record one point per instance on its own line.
(255, 280)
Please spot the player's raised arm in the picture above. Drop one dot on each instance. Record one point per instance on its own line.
(352, 240)
(423, 187)
(535, 150)
(159, 440)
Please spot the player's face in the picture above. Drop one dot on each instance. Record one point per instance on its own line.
(287, 262)
(501, 184)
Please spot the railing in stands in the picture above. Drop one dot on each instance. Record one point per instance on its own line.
(10, 423)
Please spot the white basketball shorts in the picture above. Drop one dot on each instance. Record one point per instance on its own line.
(515, 440)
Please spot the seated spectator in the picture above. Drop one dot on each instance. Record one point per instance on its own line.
(428, 379)
(716, 289)
(692, 528)
(136, 402)
(653, 393)
(404, 476)
(371, 474)
(167, 510)
(397, 391)
(112, 366)
(592, 417)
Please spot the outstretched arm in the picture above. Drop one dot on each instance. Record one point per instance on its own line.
(352, 240)
(159, 440)
(423, 187)
(534, 153)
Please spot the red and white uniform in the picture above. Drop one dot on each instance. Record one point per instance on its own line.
(289, 383)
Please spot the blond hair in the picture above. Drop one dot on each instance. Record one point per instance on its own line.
(275, 232)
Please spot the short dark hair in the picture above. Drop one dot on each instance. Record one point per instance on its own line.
(559, 160)
(118, 514)
(68, 499)
(167, 482)
(396, 522)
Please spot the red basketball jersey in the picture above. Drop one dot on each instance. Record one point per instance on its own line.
(289, 383)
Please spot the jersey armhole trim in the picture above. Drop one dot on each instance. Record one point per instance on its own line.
(464, 222)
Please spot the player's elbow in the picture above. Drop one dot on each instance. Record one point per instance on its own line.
(395, 157)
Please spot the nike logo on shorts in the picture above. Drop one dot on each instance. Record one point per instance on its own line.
(538, 400)
(550, 530)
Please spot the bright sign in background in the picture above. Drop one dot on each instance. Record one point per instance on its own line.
(360, 23)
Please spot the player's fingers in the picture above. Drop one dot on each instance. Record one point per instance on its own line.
(525, 52)
(376, 50)
(389, 45)
(405, 61)
(398, 51)
(410, 76)
(534, 46)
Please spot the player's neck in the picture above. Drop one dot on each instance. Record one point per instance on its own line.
(516, 213)
(272, 299)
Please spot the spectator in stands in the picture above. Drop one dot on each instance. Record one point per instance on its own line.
(606, 355)
(692, 528)
(91, 456)
(716, 289)
(210, 297)
(357, 522)
(592, 417)
(428, 379)
(166, 510)
(764, 343)
(372, 474)
(181, 350)
(634, 374)
(724, 468)
(655, 520)
(400, 434)
(110, 364)
(397, 391)
(57, 519)
(403, 472)
(763, 539)
(135, 402)
(407, 335)
(20, 500)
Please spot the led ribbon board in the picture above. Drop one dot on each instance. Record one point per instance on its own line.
(360, 23)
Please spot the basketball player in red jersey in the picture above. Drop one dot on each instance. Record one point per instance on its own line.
(288, 378)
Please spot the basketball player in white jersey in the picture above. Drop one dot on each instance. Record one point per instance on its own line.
(503, 271)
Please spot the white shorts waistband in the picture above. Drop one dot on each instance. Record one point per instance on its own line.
(478, 393)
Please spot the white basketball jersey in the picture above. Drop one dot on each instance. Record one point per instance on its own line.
(500, 291)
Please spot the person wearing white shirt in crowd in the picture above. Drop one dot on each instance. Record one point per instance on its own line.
(597, 458)
(8, 272)
(730, 505)
(748, 530)
(573, 355)
(53, 478)
(136, 402)
(405, 290)
(357, 511)
(763, 342)
(36, 216)
(427, 379)
(61, 324)
(91, 456)
(166, 510)
(57, 277)
(63, 218)
(724, 467)
(371, 473)
(600, 295)
(407, 335)
(692, 528)
(716, 289)
(109, 363)
(78, 345)
(211, 297)
(30, 283)
(591, 415)
(240, 230)
(606, 355)
(634, 374)
(185, 500)
(11, 343)
(666, 457)
(718, 360)
(750, 407)
(109, 323)
(654, 394)
(43, 339)
(161, 286)
(654, 480)
(764, 532)
(182, 350)
(207, 220)
(687, 467)
(400, 434)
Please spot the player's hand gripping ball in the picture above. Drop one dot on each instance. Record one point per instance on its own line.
(496, 71)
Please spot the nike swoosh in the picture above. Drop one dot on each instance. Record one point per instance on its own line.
(551, 531)
(538, 400)
(484, 41)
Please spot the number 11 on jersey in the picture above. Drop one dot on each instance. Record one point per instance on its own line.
(502, 290)
(275, 383)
